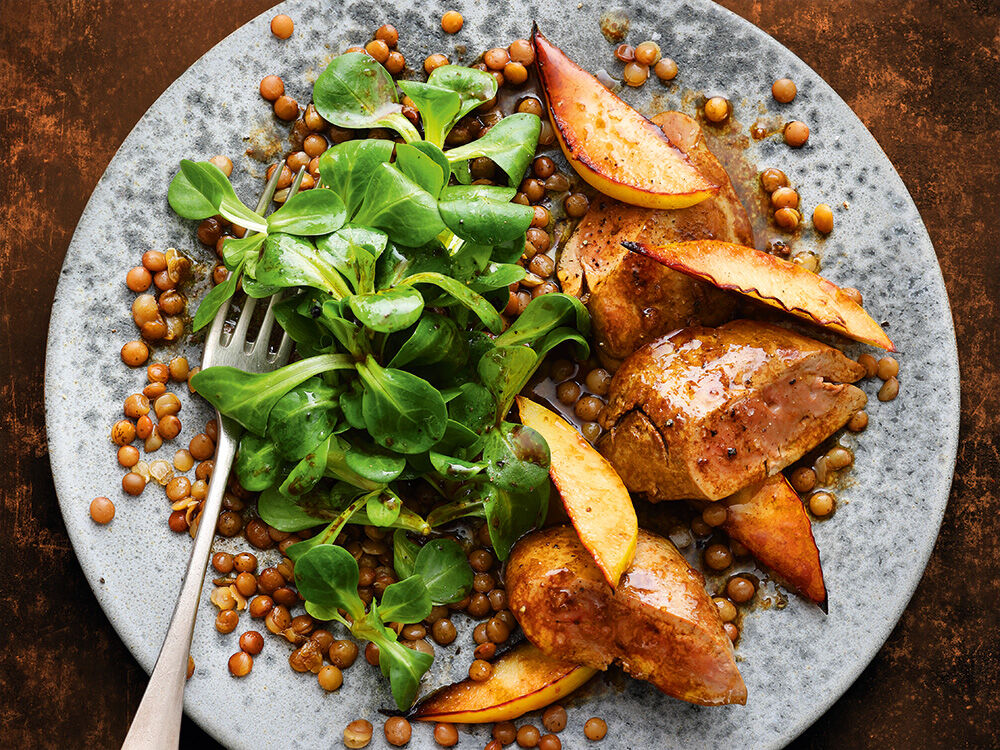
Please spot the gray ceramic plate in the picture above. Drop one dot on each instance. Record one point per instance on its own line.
(796, 661)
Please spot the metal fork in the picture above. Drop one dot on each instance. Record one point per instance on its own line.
(157, 723)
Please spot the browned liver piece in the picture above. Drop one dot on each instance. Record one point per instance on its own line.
(704, 412)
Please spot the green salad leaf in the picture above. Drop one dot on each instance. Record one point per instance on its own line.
(393, 276)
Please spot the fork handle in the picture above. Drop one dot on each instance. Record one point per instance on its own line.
(157, 723)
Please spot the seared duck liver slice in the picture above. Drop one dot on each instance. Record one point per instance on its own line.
(704, 412)
(659, 624)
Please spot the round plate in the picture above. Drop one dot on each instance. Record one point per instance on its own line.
(796, 661)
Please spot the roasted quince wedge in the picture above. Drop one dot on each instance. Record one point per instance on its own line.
(774, 281)
(770, 520)
(596, 500)
(608, 143)
(660, 624)
(524, 679)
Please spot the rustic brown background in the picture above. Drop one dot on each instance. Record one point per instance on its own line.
(75, 78)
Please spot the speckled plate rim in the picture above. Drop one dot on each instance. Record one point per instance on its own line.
(145, 651)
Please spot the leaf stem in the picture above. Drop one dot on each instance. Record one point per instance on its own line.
(398, 122)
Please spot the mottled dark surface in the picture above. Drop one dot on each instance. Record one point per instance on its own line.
(78, 76)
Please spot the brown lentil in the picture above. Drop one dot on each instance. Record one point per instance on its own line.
(397, 731)
(547, 288)
(169, 427)
(282, 26)
(889, 390)
(714, 514)
(515, 74)
(128, 456)
(595, 729)
(528, 736)
(521, 51)
(358, 734)
(138, 279)
(229, 524)
(852, 294)
(286, 108)
(497, 631)
(887, 368)
(783, 90)
(135, 353)
(869, 363)
(591, 431)
(172, 303)
(209, 231)
(372, 654)
(178, 488)
(625, 53)
(740, 590)
(576, 205)
(330, 678)
(504, 732)
(479, 633)
(771, 179)
(587, 408)
(823, 218)
(443, 632)
(717, 109)
(530, 105)
(554, 718)
(480, 670)
(446, 735)
(252, 642)
(785, 197)
(541, 218)
(727, 610)
(246, 584)
(485, 651)
(540, 239)
(260, 606)
(534, 190)
(222, 562)
(240, 664)
(183, 460)
(451, 22)
(277, 619)
(665, 69)
(787, 218)
(227, 620)
(796, 133)
(204, 470)
(635, 73)
(433, 62)
(177, 521)
(343, 653)
(718, 556)
(154, 390)
(821, 503)
(839, 458)
(123, 432)
(102, 510)
(858, 421)
(224, 163)
(256, 534)
(647, 53)
(803, 479)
